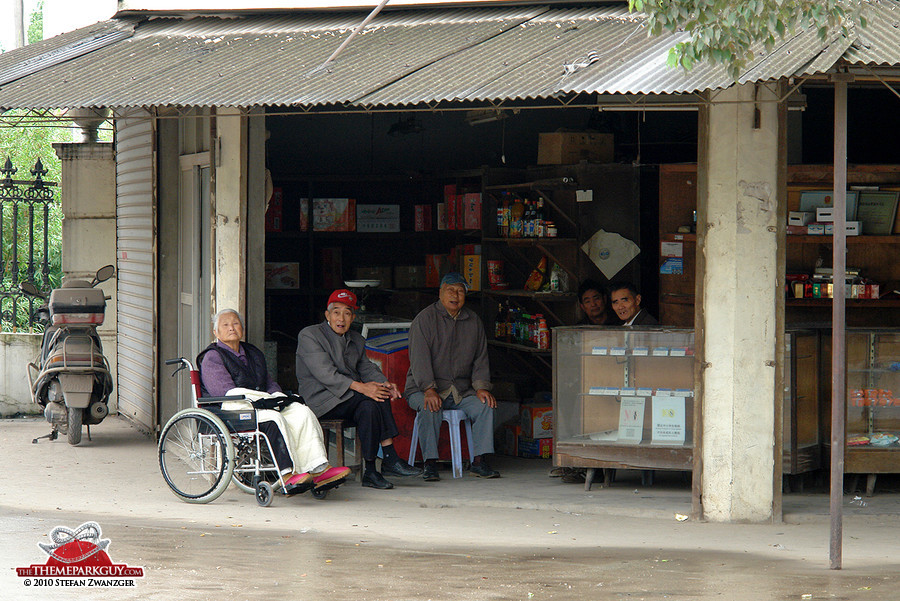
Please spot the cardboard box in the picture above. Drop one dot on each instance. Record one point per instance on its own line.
(472, 211)
(566, 148)
(274, 211)
(537, 421)
(329, 214)
(383, 274)
(852, 228)
(377, 218)
(825, 214)
(508, 440)
(422, 219)
(282, 276)
(535, 447)
(441, 221)
(799, 217)
(409, 276)
(471, 270)
(815, 229)
(435, 268)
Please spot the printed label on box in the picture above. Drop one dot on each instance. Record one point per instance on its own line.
(377, 218)
(600, 350)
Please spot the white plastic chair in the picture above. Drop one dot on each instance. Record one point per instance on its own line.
(453, 417)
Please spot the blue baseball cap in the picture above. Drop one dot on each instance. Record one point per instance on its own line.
(454, 277)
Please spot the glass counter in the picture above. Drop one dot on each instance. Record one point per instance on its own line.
(623, 397)
(873, 401)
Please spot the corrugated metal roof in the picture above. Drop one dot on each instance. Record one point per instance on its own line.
(403, 58)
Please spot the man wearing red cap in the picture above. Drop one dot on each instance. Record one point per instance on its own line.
(339, 381)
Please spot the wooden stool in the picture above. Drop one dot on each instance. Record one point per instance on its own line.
(337, 426)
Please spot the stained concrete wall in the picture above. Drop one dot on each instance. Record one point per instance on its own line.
(16, 351)
(739, 316)
(230, 211)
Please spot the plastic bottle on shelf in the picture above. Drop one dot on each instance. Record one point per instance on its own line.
(516, 214)
(504, 218)
(543, 334)
(500, 323)
(540, 228)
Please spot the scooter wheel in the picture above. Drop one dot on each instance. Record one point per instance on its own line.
(75, 419)
(264, 494)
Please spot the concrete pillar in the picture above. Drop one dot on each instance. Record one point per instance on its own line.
(741, 294)
(88, 190)
(230, 211)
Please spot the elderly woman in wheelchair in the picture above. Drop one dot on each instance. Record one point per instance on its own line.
(278, 429)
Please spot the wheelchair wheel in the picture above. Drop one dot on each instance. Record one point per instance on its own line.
(196, 455)
(264, 494)
(244, 456)
(319, 494)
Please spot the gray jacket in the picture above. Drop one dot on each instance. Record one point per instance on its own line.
(326, 367)
(447, 354)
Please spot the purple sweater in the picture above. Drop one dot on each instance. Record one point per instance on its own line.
(216, 378)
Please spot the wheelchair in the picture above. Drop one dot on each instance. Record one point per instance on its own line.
(205, 448)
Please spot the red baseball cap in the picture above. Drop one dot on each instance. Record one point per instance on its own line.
(343, 296)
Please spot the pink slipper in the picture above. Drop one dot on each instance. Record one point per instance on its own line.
(330, 475)
(298, 479)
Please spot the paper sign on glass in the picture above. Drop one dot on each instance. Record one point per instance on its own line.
(668, 420)
(631, 419)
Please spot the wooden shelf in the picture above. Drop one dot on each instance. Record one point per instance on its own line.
(543, 296)
(555, 183)
(519, 347)
(533, 241)
(864, 303)
(806, 239)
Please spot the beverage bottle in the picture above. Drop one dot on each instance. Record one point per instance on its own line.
(500, 221)
(516, 214)
(539, 219)
(500, 323)
(543, 334)
(504, 219)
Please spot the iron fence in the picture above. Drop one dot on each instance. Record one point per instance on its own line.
(25, 244)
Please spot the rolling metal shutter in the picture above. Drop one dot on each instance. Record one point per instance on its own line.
(136, 254)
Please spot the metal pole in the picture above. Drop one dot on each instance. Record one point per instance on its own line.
(838, 318)
(359, 28)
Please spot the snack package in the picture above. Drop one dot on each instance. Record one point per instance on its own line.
(536, 279)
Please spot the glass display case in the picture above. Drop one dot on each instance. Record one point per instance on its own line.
(873, 402)
(802, 439)
(623, 398)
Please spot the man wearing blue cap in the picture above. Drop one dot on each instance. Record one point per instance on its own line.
(448, 369)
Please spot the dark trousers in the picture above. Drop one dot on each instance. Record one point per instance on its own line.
(373, 420)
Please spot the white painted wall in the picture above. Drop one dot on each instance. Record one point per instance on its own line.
(16, 351)
(740, 288)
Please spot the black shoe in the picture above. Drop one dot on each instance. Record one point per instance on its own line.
(398, 467)
(483, 470)
(373, 479)
(430, 474)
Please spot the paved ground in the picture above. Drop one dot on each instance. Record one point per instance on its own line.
(523, 536)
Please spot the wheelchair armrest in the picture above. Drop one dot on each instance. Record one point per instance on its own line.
(209, 400)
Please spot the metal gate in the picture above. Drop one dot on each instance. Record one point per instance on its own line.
(136, 269)
(26, 251)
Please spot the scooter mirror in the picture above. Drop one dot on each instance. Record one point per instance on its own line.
(104, 273)
(30, 289)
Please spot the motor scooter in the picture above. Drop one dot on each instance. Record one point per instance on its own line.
(70, 378)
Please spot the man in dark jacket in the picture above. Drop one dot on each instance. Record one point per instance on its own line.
(626, 302)
(339, 381)
(449, 369)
